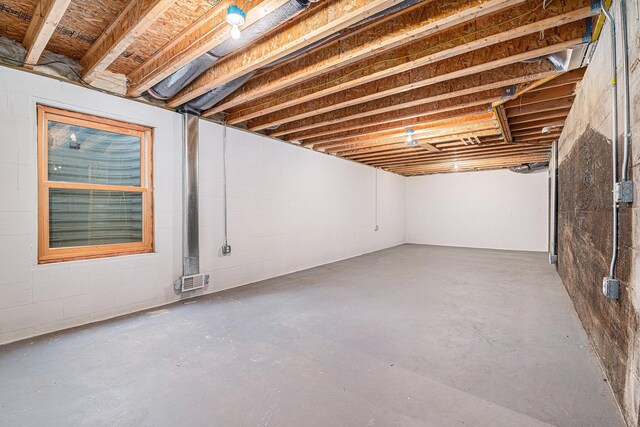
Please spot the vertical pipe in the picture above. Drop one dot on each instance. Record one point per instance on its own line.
(614, 140)
(553, 204)
(627, 95)
(224, 187)
(190, 241)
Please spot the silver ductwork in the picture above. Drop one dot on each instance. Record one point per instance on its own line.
(171, 85)
(190, 239)
(211, 98)
(530, 167)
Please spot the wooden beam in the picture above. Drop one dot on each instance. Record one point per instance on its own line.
(43, 23)
(441, 143)
(452, 133)
(525, 48)
(501, 119)
(542, 95)
(471, 154)
(483, 33)
(134, 20)
(327, 18)
(470, 165)
(545, 115)
(540, 107)
(195, 40)
(419, 22)
(397, 133)
(397, 152)
(467, 115)
(537, 124)
(468, 104)
(499, 78)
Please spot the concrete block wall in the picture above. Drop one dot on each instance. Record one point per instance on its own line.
(584, 242)
(289, 209)
(493, 209)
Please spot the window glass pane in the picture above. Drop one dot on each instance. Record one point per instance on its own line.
(81, 154)
(92, 217)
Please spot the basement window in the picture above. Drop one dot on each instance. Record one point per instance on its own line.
(94, 184)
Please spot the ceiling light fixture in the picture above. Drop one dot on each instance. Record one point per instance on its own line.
(409, 133)
(235, 18)
(455, 166)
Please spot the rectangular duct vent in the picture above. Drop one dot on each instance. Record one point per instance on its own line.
(191, 283)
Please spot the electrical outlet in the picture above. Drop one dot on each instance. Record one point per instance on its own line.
(226, 250)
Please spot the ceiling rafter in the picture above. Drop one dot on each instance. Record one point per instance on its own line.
(498, 78)
(198, 38)
(134, 20)
(327, 18)
(523, 49)
(419, 22)
(44, 22)
(500, 28)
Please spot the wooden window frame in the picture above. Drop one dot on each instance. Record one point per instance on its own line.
(46, 254)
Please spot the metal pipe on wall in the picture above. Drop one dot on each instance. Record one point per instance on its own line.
(553, 204)
(190, 239)
(610, 284)
(627, 91)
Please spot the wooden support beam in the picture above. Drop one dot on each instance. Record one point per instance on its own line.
(327, 18)
(536, 124)
(540, 107)
(424, 20)
(499, 78)
(545, 115)
(200, 37)
(476, 122)
(470, 154)
(403, 152)
(43, 23)
(542, 95)
(134, 20)
(453, 133)
(420, 122)
(573, 76)
(374, 148)
(476, 103)
(470, 165)
(441, 46)
(503, 123)
(522, 49)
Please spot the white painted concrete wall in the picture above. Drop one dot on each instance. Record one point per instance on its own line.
(493, 209)
(290, 209)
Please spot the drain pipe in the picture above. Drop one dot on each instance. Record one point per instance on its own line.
(611, 285)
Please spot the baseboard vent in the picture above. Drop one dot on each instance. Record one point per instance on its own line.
(191, 283)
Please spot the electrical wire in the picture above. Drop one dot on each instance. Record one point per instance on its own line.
(431, 49)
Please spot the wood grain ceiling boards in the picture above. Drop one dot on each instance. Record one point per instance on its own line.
(439, 67)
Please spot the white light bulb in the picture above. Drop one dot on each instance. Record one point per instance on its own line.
(455, 166)
(235, 32)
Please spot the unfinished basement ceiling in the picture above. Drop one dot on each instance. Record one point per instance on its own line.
(473, 79)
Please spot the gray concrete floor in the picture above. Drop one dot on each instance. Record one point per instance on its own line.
(409, 336)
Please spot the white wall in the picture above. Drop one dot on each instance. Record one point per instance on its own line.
(493, 209)
(290, 209)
